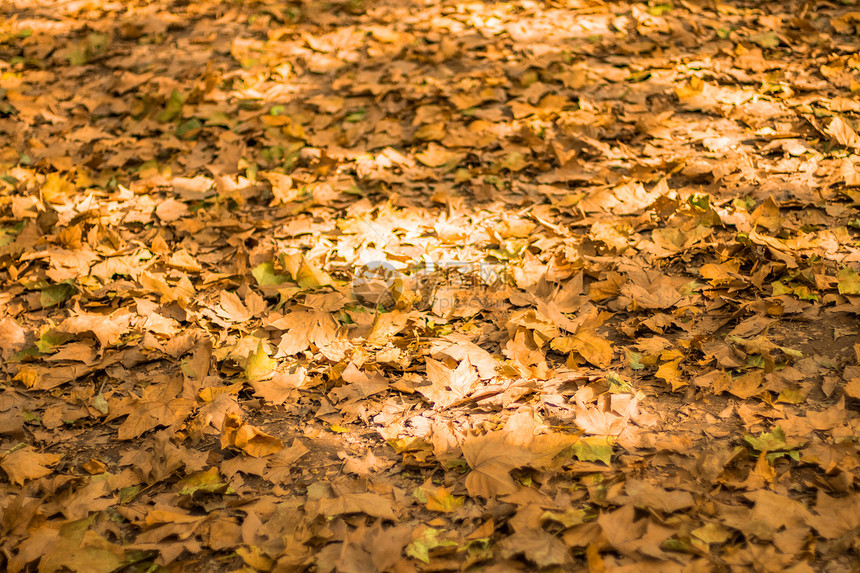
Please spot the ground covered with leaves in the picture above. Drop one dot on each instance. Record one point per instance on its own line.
(429, 286)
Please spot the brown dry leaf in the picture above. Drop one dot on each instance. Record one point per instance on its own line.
(852, 388)
(171, 210)
(492, 457)
(671, 373)
(777, 510)
(538, 546)
(183, 261)
(368, 503)
(658, 294)
(303, 329)
(544, 183)
(12, 337)
(249, 439)
(643, 494)
(746, 385)
(460, 348)
(159, 405)
(73, 546)
(633, 538)
(108, 329)
(387, 325)
(25, 463)
(448, 385)
(590, 346)
(603, 419)
(232, 308)
(280, 387)
(836, 517)
(437, 156)
(842, 133)
(282, 188)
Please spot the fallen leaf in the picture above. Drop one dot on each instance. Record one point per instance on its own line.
(25, 463)
(247, 438)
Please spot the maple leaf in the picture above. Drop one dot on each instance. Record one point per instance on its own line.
(209, 481)
(247, 438)
(108, 329)
(438, 499)
(304, 327)
(594, 449)
(265, 275)
(644, 494)
(591, 346)
(367, 503)
(773, 443)
(232, 308)
(671, 373)
(448, 385)
(304, 272)
(280, 387)
(75, 547)
(492, 457)
(159, 405)
(842, 133)
(836, 516)
(849, 281)
(552, 174)
(25, 463)
(386, 325)
(538, 546)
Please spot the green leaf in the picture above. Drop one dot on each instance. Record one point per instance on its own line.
(218, 118)
(765, 39)
(8, 234)
(659, 9)
(265, 275)
(77, 56)
(311, 276)
(617, 384)
(849, 281)
(421, 547)
(50, 339)
(773, 456)
(22, 355)
(594, 449)
(55, 294)
(356, 116)
(802, 292)
(769, 441)
(100, 403)
(173, 108)
(438, 499)
(259, 364)
(189, 126)
(635, 360)
(127, 494)
(208, 481)
(712, 533)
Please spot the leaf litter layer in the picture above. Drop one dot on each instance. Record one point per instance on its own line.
(428, 286)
